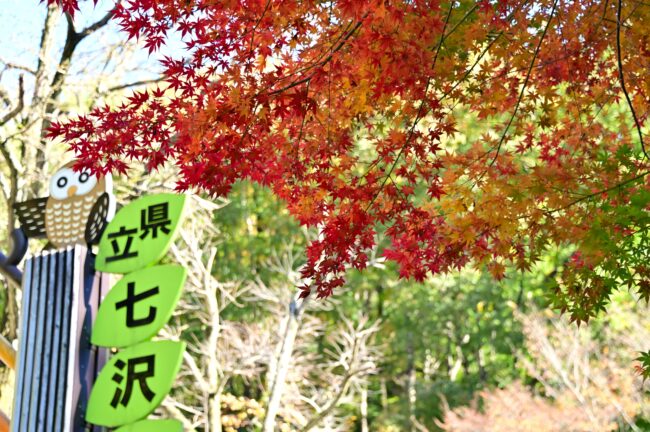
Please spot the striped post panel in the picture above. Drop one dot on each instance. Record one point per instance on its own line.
(57, 365)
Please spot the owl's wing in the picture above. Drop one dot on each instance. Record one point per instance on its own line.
(100, 214)
(31, 215)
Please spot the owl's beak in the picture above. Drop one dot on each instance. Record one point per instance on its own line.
(71, 191)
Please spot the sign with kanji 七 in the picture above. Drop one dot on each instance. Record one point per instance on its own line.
(138, 306)
(140, 234)
(134, 382)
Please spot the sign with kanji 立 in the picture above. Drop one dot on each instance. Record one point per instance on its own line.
(134, 383)
(136, 380)
(138, 306)
(140, 234)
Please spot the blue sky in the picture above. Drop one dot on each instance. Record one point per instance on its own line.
(21, 24)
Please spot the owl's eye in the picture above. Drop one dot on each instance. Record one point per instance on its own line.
(61, 181)
(85, 182)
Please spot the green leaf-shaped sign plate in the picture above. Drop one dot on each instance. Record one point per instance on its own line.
(140, 233)
(153, 426)
(138, 306)
(134, 382)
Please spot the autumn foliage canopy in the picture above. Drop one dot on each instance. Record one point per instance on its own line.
(357, 113)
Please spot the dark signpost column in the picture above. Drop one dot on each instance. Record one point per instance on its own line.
(61, 293)
(56, 363)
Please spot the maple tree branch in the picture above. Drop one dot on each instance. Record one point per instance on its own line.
(523, 88)
(495, 38)
(471, 69)
(458, 24)
(603, 191)
(442, 39)
(397, 189)
(321, 63)
(621, 77)
(256, 25)
(304, 117)
(540, 65)
(605, 10)
(420, 114)
(569, 54)
(313, 63)
(329, 85)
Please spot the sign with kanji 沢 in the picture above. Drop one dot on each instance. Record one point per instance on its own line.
(140, 234)
(153, 426)
(134, 382)
(138, 306)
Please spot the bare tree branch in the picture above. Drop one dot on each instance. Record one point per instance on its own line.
(170, 407)
(97, 25)
(11, 65)
(19, 106)
(621, 78)
(134, 84)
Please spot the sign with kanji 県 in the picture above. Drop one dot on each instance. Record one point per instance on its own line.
(140, 234)
(134, 383)
(153, 426)
(138, 306)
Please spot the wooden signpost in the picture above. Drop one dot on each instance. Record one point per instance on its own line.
(71, 319)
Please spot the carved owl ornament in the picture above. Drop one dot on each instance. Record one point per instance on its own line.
(76, 211)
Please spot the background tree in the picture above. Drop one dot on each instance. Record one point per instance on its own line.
(584, 372)
(311, 364)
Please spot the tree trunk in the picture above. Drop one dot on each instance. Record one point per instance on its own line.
(384, 393)
(214, 414)
(289, 330)
(215, 381)
(364, 409)
(411, 395)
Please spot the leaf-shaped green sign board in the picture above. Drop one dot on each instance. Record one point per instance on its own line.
(153, 426)
(138, 306)
(134, 382)
(140, 233)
